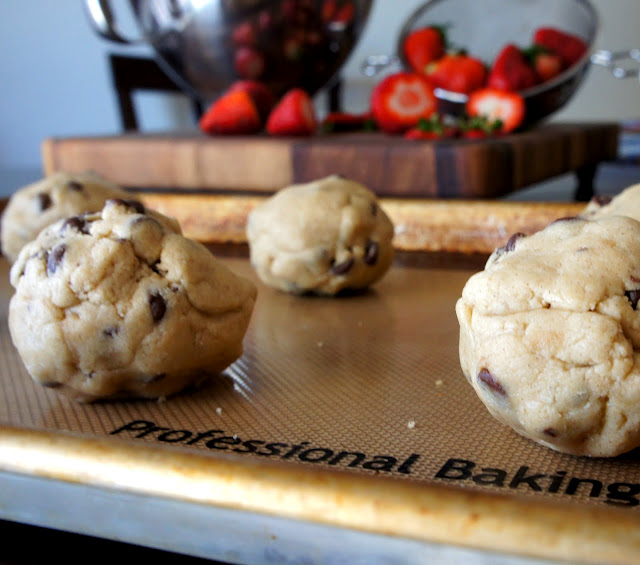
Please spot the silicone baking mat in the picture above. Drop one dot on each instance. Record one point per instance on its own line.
(366, 385)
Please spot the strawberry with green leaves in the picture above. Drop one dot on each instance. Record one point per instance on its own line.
(423, 46)
(400, 100)
(294, 114)
(512, 71)
(458, 72)
(494, 104)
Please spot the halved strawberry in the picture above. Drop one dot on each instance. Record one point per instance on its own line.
(511, 70)
(568, 46)
(458, 73)
(232, 113)
(423, 46)
(294, 114)
(400, 100)
(495, 104)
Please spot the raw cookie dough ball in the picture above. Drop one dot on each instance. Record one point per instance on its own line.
(119, 304)
(34, 207)
(321, 237)
(550, 335)
(627, 203)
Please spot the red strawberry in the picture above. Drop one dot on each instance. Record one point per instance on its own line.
(512, 71)
(495, 104)
(244, 34)
(569, 47)
(232, 113)
(424, 46)
(546, 64)
(249, 63)
(400, 100)
(433, 128)
(294, 114)
(260, 93)
(458, 73)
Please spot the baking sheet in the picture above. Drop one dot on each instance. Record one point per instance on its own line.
(360, 397)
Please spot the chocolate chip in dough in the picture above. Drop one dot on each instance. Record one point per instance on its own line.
(77, 223)
(111, 331)
(342, 268)
(158, 306)
(371, 252)
(550, 432)
(633, 296)
(511, 244)
(129, 203)
(44, 201)
(75, 185)
(486, 378)
(602, 199)
(54, 258)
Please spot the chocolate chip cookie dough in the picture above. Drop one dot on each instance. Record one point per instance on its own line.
(550, 335)
(321, 237)
(626, 203)
(57, 196)
(119, 304)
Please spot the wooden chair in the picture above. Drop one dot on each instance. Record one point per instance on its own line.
(130, 74)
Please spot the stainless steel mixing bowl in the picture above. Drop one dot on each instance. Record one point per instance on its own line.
(205, 45)
(483, 27)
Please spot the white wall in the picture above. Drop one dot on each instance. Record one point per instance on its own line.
(54, 77)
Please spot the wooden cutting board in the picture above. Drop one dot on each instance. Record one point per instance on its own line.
(389, 165)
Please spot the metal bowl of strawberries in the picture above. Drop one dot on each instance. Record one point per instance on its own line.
(206, 45)
(538, 49)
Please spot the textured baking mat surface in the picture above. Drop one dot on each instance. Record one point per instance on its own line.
(370, 384)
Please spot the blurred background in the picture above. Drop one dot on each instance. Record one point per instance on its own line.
(55, 79)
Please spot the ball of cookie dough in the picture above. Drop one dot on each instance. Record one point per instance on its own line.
(320, 238)
(119, 304)
(550, 335)
(626, 203)
(57, 196)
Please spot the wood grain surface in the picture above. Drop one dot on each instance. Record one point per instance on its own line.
(388, 165)
(420, 224)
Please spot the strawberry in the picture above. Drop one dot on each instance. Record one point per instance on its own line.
(424, 46)
(511, 70)
(260, 93)
(567, 46)
(244, 34)
(546, 64)
(345, 121)
(399, 100)
(232, 113)
(249, 63)
(458, 73)
(495, 104)
(294, 114)
(433, 128)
